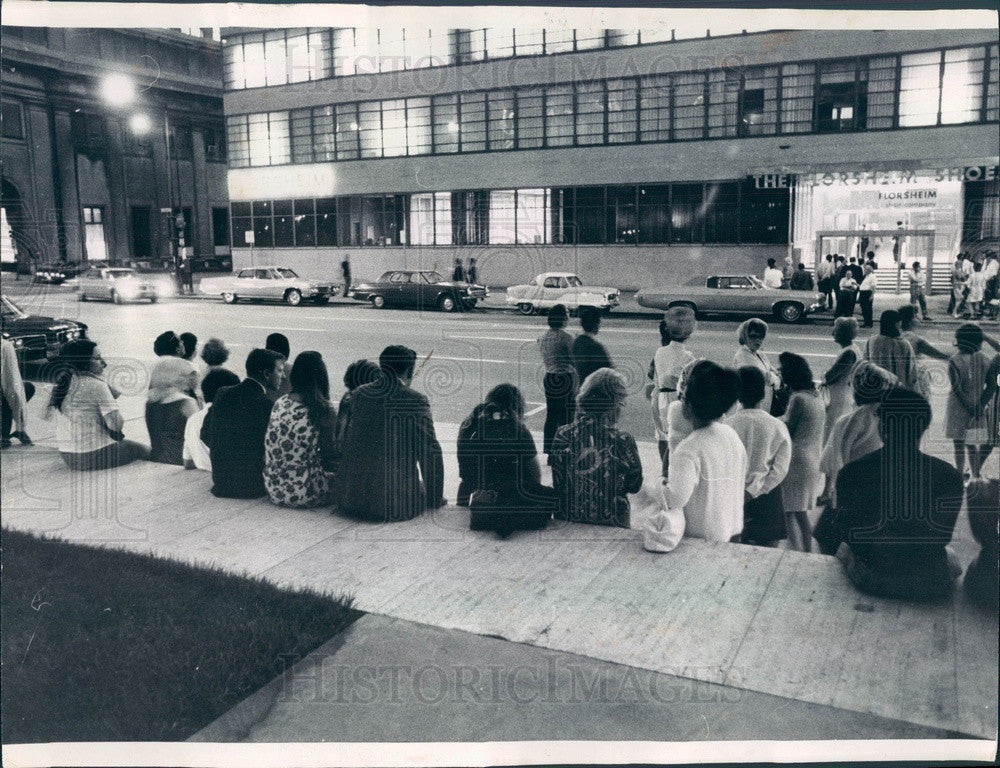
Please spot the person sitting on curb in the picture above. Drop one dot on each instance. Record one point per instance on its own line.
(196, 454)
(392, 467)
(16, 394)
(234, 428)
(897, 509)
(703, 495)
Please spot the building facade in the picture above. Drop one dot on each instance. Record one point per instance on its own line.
(630, 158)
(113, 148)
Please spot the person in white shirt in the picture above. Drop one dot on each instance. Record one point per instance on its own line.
(866, 296)
(769, 451)
(196, 454)
(676, 328)
(16, 394)
(703, 496)
(977, 291)
(773, 277)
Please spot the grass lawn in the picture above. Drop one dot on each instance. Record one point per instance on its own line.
(100, 645)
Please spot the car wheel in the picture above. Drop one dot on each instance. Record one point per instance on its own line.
(229, 298)
(83, 296)
(446, 303)
(322, 300)
(789, 312)
(525, 308)
(152, 299)
(293, 298)
(378, 301)
(116, 298)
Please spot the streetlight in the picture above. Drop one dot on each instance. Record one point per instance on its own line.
(140, 124)
(118, 89)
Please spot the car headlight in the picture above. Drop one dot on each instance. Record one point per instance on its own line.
(17, 342)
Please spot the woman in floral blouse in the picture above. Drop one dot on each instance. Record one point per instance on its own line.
(595, 464)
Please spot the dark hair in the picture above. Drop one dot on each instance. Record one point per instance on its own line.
(916, 266)
(969, 336)
(665, 338)
(190, 342)
(75, 356)
(771, 262)
(558, 316)
(359, 373)
(795, 372)
(311, 382)
(215, 380)
(977, 267)
(801, 265)
(904, 416)
(166, 343)
(907, 313)
(398, 360)
(261, 361)
(752, 386)
(711, 390)
(504, 399)
(590, 319)
(214, 352)
(278, 342)
(887, 322)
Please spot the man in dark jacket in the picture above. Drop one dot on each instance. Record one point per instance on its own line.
(389, 445)
(234, 428)
(588, 353)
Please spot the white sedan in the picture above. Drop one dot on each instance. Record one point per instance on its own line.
(269, 284)
(551, 288)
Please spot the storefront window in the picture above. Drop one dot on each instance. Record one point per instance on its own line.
(532, 216)
(422, 219)
(326, 221)
(502, 217)
(721, 207)
(305, 222)
(686, 217)
(654, 213)
(263, 230)
(621, 216)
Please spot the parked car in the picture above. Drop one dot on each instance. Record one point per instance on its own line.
(736, 295)
(36, 337)
(422, 289)
(121, 284)
(56, 274)
(268, 284)
(551, 288)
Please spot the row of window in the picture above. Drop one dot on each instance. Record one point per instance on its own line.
(712, 212)
(921, 89)
(90, 130)
(284, 56)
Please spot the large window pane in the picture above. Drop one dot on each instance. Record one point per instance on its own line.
(559, 116)
(422, 219)
(590, 217)
(326, 221)
(842, 98)
(763, 215)
(590, 113)
(263, 230)
(881, 92)
(418, 125)
(919, 88)
(238, 141)
(275, 63)
(529, 118)
(254, 72)
(284, 230)
(621, 111)
(260, 149)
(305, 223)
(370, 128)
(532, 216)
(323, 134)
(445, 115)
(654, 108)
(281, 150)
(500, 119)
(797, 81)
(962, 87)
(473, 122)
(723, 102)
(302, 144)
(394, 127)
(470, 218)
(758, 110)
(689, 106)
(502, 208)
(621, 212)
(442, 218)
(654, 213)
(686, 213)
(721, 208)
(347, 131)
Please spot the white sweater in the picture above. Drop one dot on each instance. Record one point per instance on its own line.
(768, 447)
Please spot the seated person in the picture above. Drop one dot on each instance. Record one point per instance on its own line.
(897, 509)
(703, 493)
(234, 428)
(196, 454)
(498, 464)
(358, 373)
(89, 429)
(769, 452)
(168, 407)
(300, 455)
(595, 464)
(278, 342)
(981, 580)
(392, 468)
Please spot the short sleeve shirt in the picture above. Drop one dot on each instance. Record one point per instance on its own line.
(80, 428)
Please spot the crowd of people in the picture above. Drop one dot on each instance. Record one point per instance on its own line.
(750, 453)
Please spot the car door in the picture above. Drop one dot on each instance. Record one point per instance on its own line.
(552, 291)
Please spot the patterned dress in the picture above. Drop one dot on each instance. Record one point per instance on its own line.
(293, 471)
(594, 466)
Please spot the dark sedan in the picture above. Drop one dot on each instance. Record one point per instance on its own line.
(422, 289)
(36, 337)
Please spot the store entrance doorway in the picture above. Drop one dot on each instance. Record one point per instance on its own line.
(895, 251)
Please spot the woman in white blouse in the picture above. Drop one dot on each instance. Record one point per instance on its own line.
(751, 335)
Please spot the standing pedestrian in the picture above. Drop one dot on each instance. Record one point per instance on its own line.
(837, 379)
(345, 269)
(889, 350)
(847, 292)
(917, 298)
(966, 418)
(588, 353)
(560, 382)
(977, 291)
(956, 302)
(676, 327)
(825, 274)
(472, 273)
(458, 273)
(773, 276)
(866, 295)
(801, 280)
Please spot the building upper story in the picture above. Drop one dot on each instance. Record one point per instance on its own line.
(321, 96)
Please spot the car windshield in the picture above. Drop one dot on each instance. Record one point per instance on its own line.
(11, 311)
(286, 272)
(574, 281)
(119, 273)
(433, 277)
(756, 281)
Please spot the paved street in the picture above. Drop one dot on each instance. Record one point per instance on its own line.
(469, 353)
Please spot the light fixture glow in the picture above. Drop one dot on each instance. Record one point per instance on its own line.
(140, 124)
(117, 89)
